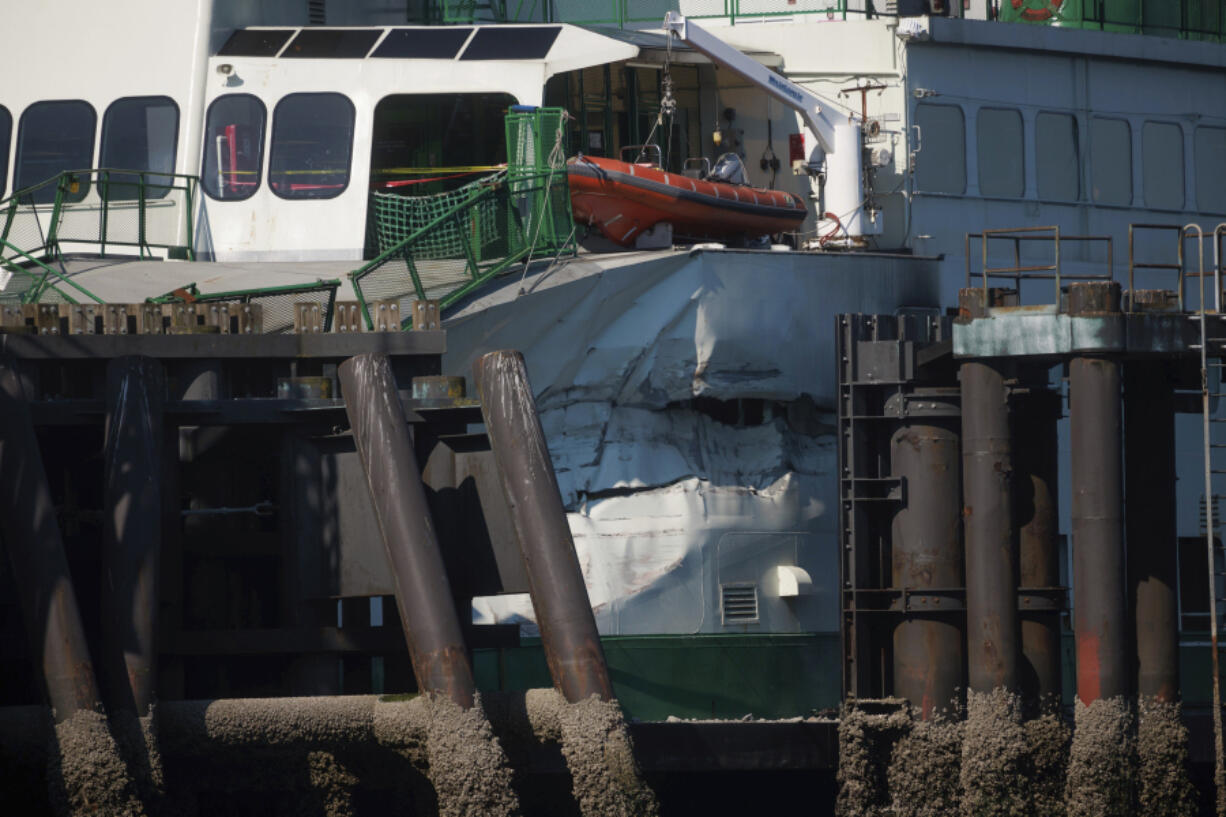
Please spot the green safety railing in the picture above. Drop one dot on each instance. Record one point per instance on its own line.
(446, 246)
(104, 208)
(278, 302)
(635, 12)
(38, 278)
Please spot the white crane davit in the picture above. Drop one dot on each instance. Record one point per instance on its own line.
(837, 133)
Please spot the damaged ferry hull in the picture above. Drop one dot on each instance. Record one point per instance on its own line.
(689, 407)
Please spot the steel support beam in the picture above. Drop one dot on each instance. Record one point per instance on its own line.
(559, 596)
(1149, 502)
(1099, 600)
(926, 554)
(132, 496)
(40, 567)
(1036, 469)
(423, 594)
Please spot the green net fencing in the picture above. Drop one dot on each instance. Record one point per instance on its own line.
(398, 217)
(445, 246)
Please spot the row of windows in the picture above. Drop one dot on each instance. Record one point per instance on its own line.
(941, 164)
(137, 133)
(312, 144)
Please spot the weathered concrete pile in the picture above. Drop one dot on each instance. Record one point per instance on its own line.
(996, 764)
(327, 755)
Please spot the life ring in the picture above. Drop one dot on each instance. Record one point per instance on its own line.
(1037, 15)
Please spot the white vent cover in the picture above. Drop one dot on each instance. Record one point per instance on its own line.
(739, 603)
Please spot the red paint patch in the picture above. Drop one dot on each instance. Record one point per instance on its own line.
(1089, 686)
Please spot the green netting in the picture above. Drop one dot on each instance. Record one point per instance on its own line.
(443, 247)
(397, 217)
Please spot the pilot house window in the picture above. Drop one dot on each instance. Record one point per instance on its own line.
(312, 142)
(940, 166)
(1111, 160)
(139, 133)
(54, 137)
(1056, 160)
(1000, 153)
(233, 147)
(1211, 169)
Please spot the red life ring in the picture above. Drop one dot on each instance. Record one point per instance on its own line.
(1037, 15)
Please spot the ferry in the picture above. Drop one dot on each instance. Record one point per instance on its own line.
(687, 389)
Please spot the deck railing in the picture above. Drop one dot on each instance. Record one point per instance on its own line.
(92, 211)
(636, 13)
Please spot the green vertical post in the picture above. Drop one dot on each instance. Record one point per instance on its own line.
(104, 179)
(140, 193)
(190, 199)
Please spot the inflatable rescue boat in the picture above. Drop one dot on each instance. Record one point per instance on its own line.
(626, 199)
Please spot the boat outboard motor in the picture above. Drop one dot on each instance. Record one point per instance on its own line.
(728, 168)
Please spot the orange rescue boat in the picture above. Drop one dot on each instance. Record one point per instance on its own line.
(626, 199)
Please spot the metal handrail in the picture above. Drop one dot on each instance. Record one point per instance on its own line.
(1134, 265)
(620, 12)
(104, 179)
(40, 284)
(1035, 272)
(1218, 233)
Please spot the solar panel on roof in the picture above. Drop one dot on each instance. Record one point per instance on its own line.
(422, 43)
(249, 43)
(511, 43)
(334, 43)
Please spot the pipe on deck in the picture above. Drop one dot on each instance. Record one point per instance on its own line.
(1100, 603)
(135, 389)
(1036, 470)
(35, 548)
(423, 594)
(1149, 520)
(927, 552)
(559, 596)
(987, 519)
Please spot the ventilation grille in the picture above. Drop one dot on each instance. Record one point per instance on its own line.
(317, 12)
(739, 603)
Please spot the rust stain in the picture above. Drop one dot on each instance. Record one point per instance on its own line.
(1089, 686)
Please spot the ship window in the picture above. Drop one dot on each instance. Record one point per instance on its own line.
(1056, 163)
(1211, 170)
(415, 134)
(255, 43)
(1162, 165)
(423, 43)
(941, 164)
(511, 43)
(1111, 160)
(312, 143)
(54, 137)
(1000, 153)
(6, 134)
(233, 147)
(139, 133)
(333, 43)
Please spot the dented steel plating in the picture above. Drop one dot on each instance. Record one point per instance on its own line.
(423, 595)
(559, 595)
